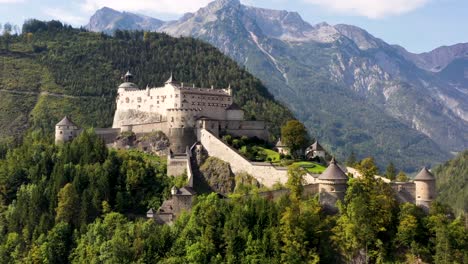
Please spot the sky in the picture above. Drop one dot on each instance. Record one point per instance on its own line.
(417, 25)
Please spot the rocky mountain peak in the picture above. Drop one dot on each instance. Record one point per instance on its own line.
(359, 36)
(221, 4)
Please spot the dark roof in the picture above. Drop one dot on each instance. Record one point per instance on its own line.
(424, 175)
(184, 190)
(333, 172)
(166, 207)
(128, 85)
(234, 106)
(66, 122)
(316, 146)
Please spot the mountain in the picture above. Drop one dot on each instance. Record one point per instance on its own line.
(353, 91)
(107, 20)
(64, 71)
(452, 182)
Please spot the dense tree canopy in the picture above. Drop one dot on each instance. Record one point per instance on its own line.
(294, 136)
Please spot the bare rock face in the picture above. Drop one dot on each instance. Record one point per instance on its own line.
(155, 143)
(218, 175)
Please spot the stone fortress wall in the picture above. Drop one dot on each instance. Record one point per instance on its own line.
(265, 173)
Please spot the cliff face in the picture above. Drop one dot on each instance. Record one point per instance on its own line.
(353, 91)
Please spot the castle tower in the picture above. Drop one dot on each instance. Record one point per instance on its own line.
(127, 85)
(332, 185)
(66, 130)
(425, 189)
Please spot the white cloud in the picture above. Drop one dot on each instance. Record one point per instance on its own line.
(146, 6)
(64, 16)
(370, 8)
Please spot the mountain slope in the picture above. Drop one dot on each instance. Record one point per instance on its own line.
(388, 96)
(68, 72)
(452, 182)
(108, 20)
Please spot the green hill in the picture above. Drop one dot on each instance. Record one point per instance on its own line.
(452, 182)
(53, 70)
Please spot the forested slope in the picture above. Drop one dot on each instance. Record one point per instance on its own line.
(82, 203)
(52, 70)
(452, 182)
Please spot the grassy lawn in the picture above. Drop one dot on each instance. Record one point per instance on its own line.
(311, 167)
(273, 155)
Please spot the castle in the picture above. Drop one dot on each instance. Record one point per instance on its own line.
(194, 118)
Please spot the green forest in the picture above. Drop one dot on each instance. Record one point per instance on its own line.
(82, 203)
(52, 70)
(452, 182)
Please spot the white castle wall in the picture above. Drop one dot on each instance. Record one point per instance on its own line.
(265, 173)
(162, 101)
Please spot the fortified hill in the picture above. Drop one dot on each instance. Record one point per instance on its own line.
(194, 118)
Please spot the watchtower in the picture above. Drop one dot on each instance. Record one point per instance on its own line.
(332, 185)
(425, 189)
(66, 130)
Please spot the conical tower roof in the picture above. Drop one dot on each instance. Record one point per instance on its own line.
(171, 79)
(66, 121)
(316, 146)
(333, 172)
(424, 175)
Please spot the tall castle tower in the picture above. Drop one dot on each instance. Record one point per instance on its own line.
(425, 189)
(332, 185)
(66, 130)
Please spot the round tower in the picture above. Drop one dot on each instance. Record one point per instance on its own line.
(425, 189)
(66, 130)
(332, 185)
(128, 84)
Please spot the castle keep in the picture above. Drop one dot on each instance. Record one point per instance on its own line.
(193, 119)
(178, 110)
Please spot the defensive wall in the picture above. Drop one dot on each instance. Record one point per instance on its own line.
(265, 173)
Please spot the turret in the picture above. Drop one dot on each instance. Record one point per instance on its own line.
(66, 130)
(332, 185)
(425, 189)
(128, 84)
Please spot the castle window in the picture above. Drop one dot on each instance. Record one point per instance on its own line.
(175, 105)
(157, 97)
(157, 102)
(61, 132)
(229, 99)
(151, 97)
(176, 96)
(139, 106)
(184, 95)
(193, 103)
(172, 119)
(139, 99)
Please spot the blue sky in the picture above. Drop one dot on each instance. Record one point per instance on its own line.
(418, 25)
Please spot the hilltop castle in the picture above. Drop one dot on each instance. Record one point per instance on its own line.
(193, 120)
